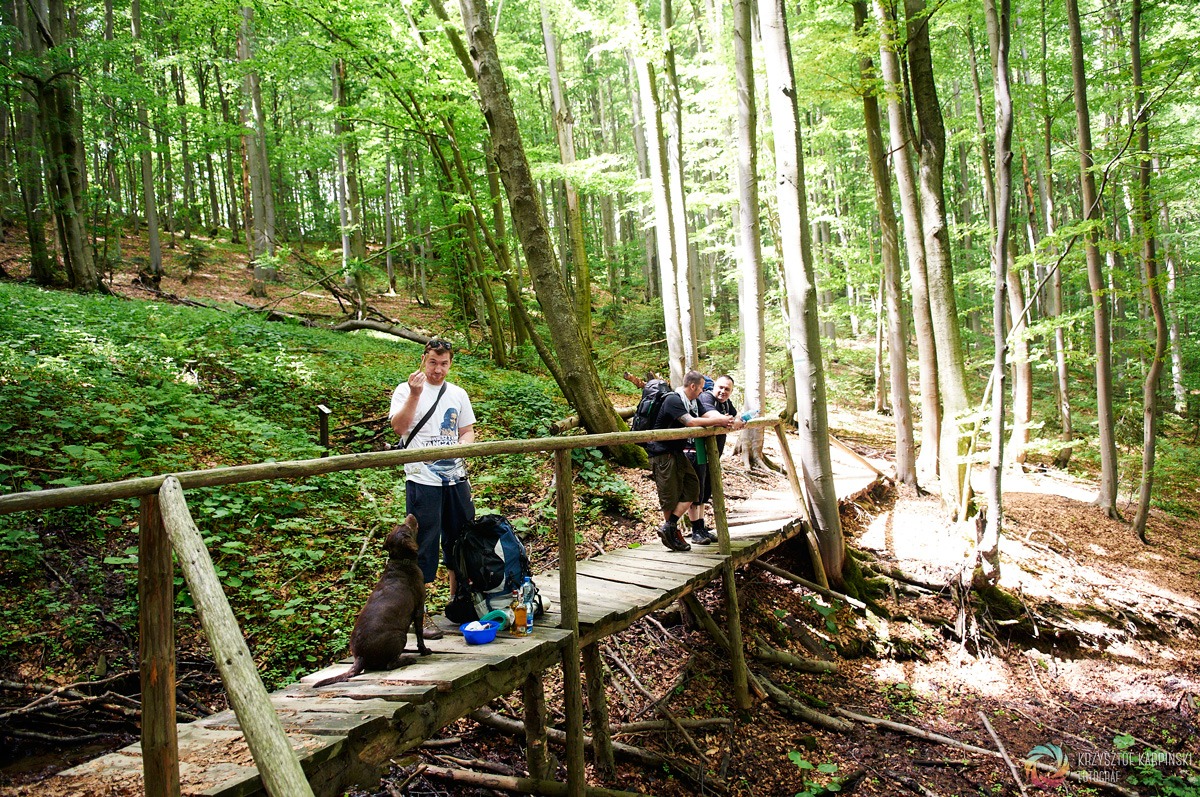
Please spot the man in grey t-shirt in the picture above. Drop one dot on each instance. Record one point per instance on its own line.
(436, 491)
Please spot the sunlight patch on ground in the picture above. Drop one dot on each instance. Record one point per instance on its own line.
(1124, 683)
(983, 677)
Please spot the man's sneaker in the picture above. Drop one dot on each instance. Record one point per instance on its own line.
(670, 536)
(702, 537)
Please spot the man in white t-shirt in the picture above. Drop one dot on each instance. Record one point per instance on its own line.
(437, 490)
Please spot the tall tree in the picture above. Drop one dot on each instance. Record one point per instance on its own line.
(804, 338)
(1106, 499)
(897, 323)
(585, 391)
(943, 308)
(900, 139)
(1150, 270)
(751, 285)
(987, 544)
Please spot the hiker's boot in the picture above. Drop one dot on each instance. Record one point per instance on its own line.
(701, 535)
(670, 536)
(431, 631)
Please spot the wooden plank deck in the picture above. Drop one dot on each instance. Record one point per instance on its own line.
(347, 733)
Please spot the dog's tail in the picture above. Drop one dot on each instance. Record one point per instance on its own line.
(355, 669)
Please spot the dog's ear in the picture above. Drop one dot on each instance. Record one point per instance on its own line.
(411, 522)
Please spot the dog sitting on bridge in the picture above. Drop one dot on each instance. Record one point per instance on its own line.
(396, 604)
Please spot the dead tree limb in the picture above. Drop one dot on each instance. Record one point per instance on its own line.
(919, 733)
(710, 625)
(1004, 754)
(810, 585)
(803, 712)
(518, 785)
(662, 709)
(764, 652)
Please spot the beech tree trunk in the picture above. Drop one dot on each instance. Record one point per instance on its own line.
(943, 308)
(585, 390)
(892, 293)
(1145, 208)
(1106, 499)
(796, 249)
(751, 285)
(914, 242)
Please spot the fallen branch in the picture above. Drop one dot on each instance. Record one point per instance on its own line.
(449, 741)
(662, 709)
(1004, 754)
(647, 726)
(379, 326)
(638, 755)
(911, 730)
(804, 582)
(764, 652)
(908, 783)
(710, 625)
(477, 764)
(518, 785)
(803, 712)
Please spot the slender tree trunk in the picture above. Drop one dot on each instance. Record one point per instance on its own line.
(147, 157)
(564, 126)
(987, 547)
(649, 237)
(943, 308)
(579, 370)
(669, 261)
(671, 111)
(914, 241)
(230, 180)
(1177, 388)
(796, 248)
(1150, 268)
(892, 289)
(751, 285)
(1107, 497)
(189, 188)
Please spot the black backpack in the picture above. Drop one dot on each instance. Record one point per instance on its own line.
(489, 561)
(653, 395)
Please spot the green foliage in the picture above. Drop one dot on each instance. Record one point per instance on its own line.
(604, 490)
(1148, 771)
(828, 613)
(100, 389)
(806, 767)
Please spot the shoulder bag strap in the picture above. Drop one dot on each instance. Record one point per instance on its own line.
(426, 417)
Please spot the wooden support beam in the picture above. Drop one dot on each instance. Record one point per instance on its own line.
(741, 671)
(537, 753)
(569, 612)
(277, 763)
(156, 621)
(710, 625)
(602, 751)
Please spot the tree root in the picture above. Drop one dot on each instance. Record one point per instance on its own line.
(803, 712)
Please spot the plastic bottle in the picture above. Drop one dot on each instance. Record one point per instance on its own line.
(527, 600)
(749, 415)
(520, 623)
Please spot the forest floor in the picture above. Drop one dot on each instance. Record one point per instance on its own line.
(1094, 667)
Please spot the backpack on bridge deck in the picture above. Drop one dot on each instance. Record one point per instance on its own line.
(653, 395)
(489, 562)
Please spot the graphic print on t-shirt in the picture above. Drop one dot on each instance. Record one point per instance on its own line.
(447, 436)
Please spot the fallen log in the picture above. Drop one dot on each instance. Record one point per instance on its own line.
(518, 785)
(764, 652)
(379, 326)
(920, 733)
(804, 582)
(803, 712)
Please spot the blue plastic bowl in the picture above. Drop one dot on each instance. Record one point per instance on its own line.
(480, 637)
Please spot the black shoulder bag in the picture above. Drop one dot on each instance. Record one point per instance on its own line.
(405, 443)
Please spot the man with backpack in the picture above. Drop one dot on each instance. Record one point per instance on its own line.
(674, 476)
(436, 491)
(713, 403)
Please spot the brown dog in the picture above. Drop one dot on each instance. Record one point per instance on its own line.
(397, 603)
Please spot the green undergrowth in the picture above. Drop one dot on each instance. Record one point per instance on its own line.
(99, 389)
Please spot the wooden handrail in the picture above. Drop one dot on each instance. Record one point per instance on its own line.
(164, 513)
(294, 469)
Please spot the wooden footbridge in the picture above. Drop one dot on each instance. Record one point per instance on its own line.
(300, 741)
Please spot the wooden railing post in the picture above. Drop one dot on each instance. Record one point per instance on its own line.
(537, 753)
(277, 763)
(569, 612)
(156, 648)
(737, 655)
(602, 748)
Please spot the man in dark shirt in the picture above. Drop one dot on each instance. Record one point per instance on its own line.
(713, 404)
(674, 476)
